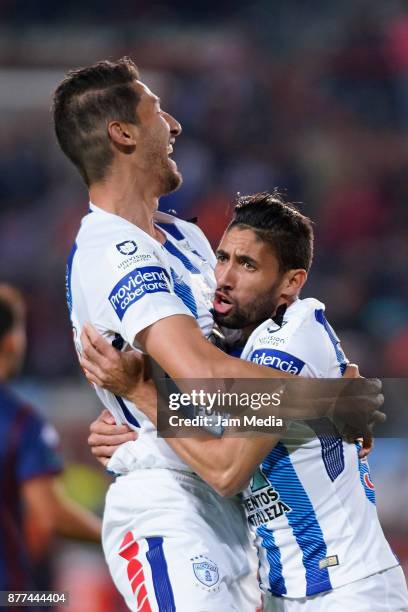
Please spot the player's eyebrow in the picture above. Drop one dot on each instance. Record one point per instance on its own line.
(247, 259)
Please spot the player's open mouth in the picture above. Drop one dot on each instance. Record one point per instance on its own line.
(222, 304)
(169, 153)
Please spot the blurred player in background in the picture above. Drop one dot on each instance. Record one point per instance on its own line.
(34, 507)
(311, 502)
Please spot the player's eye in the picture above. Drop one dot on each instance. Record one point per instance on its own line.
(221, 257)
(248, 266)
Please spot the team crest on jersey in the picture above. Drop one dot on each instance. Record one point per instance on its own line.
(263, 504)
(272, 329)
(128, 247)
(205, 570)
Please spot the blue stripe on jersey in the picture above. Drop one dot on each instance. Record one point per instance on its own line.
(365, 477)
(68, 274)
(126, 412)
(279, 470)
(341, 358)
(171, 248)
(160, 575)
(174, 231)
(118, 343)
(183, 291)
(171, 229)
(331, 447)
(276, 579)
(332, 455)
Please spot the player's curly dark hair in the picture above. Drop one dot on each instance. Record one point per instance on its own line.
(280, 224)
(83, 104)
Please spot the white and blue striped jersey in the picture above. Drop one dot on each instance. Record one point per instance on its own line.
(122, 280)
(311, 504)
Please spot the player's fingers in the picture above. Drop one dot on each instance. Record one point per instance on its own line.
(111, 440)
(353, 409)
(97, 341)
(351, 371)
(91, 353)
(367, 447)
(377, 417)
(103, 451)
(107, 417)
(93, 370)
(107, 429)
(359, 386)
(93, 380)
(368, 404)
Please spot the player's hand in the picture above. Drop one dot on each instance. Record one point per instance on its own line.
(367, 443)
(359, 410)
(353, 404)
(105, 437)
(105, 366)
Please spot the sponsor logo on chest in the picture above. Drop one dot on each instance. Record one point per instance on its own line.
(263, 504)
(273, 358)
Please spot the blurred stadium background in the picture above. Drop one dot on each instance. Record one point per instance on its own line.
(311, 97)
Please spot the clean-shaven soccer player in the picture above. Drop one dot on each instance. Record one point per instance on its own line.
(145, 279)
(311, 502)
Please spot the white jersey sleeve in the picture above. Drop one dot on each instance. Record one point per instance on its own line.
(304, 344)
(130, 281)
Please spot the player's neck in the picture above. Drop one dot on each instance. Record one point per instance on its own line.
(129, 198)
(247, 331)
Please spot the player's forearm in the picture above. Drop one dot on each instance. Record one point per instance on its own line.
(226, 463)
(179, 347)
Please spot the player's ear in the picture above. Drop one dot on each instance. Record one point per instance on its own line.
(294, 281)
(122, 134)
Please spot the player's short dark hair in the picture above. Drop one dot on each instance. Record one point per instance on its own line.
(280, 224)
(83, 104)
(11, 309)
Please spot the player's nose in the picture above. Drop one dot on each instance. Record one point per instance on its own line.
(175, 126)
(225, 277)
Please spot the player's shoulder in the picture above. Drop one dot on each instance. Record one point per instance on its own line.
(296, 340)
(99, 228)
(104, 236)
(299, 317)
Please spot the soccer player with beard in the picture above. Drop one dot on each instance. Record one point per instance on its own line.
(145, 280)
(310, 502)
